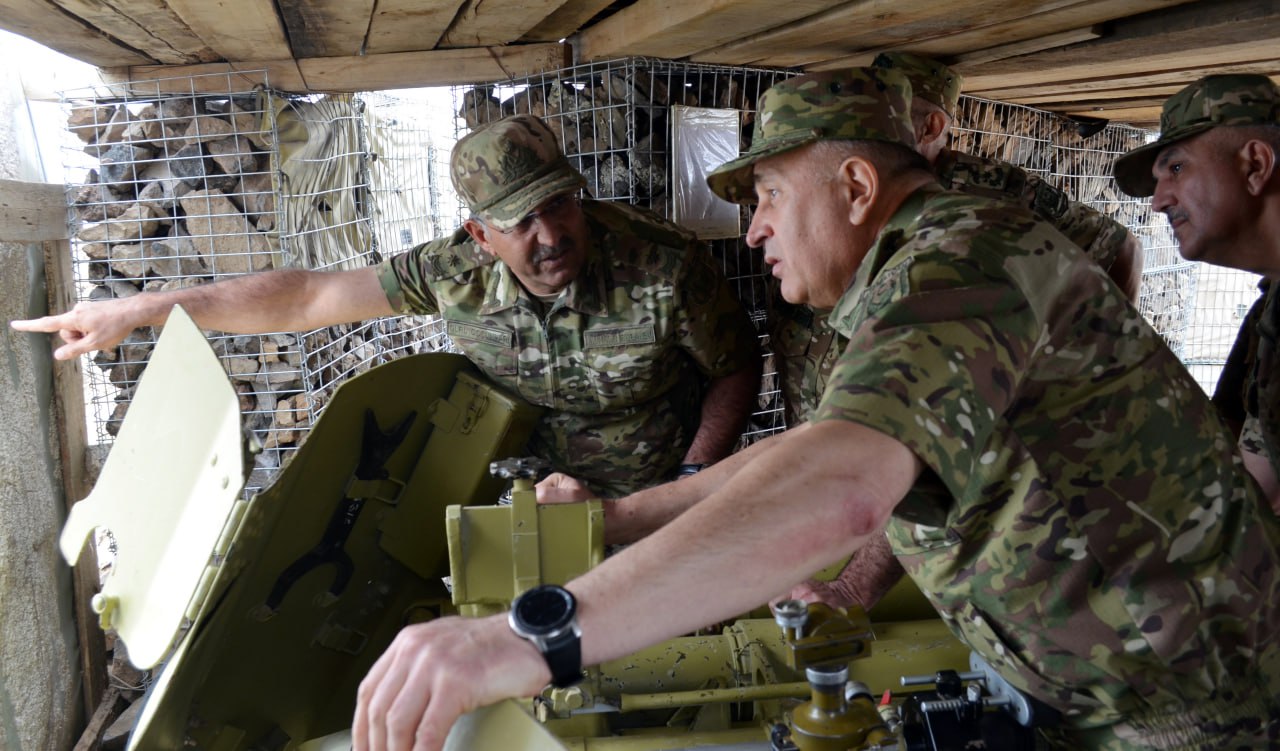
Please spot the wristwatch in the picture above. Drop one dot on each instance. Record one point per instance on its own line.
(686, 470)
(547, 616)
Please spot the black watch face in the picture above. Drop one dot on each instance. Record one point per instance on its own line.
(544, 609)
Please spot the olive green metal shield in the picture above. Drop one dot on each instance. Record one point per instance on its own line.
(180, 450)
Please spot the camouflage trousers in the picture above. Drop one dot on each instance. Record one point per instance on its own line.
(1234, 726)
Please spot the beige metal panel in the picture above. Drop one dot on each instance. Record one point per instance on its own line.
(679, 28)
(53, 28)
(148, 26)
(482, 23)
(408, 25)
(32, 212)
(236, 29)
(399, 70)
(327, 28)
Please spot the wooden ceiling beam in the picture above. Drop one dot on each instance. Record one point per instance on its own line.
(326, 28)
(1086, 88)
(566, 20)
(483, 23)
(252, 31)
(1225, 32)
(680, 28)
(408, 25)
(145, 25)
(395, 70)
(857, 27)
(58, 30)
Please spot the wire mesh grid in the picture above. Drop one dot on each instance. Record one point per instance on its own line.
(181, 189)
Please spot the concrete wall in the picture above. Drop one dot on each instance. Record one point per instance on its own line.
(39, 673)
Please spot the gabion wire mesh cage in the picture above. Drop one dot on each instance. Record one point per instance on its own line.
(182, 189)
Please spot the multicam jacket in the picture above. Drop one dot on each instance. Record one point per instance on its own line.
(620, 358)
(807, 349)
(1249, 389)
(1083, 522)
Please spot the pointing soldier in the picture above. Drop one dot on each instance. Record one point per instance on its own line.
(610, 317)
(1213, 172)
(1047, 470)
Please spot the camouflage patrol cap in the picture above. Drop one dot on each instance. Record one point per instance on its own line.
(506, 169)
(1233, 99)
(930, 80)
(861, 104)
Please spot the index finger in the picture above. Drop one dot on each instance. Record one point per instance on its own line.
(44, 325)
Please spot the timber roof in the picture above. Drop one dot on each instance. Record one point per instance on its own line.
(1116, 59)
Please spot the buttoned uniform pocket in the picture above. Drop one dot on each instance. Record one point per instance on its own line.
(493, 349)
(625, 365)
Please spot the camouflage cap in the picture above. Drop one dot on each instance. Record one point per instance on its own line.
(930, 80)
(862, 104)
(506, 169)
(1234, 99)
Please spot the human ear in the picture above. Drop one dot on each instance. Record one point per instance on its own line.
(1258, 162)
(480, 234)
(860, 182)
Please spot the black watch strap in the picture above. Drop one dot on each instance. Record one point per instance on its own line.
(565, 660)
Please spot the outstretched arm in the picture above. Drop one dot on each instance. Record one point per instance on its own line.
(868, 577)
(722, 557)
(285, 300)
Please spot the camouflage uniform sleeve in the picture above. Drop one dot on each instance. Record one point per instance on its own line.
(938, 357)
(406, 282)
(712, 327)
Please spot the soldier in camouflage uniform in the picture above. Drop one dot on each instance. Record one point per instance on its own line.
(807, 348)
(617, 346)
(1214, 173)
(613, 319)
(1047, 470)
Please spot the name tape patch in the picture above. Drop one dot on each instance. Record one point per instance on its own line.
(478, 333)
(620, 336)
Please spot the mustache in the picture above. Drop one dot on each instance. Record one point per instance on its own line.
(1175, 214)
(548, 252)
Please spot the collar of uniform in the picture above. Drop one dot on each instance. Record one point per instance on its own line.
(846, 309)
(586, 293)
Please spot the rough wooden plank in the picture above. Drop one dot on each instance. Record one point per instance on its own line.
(409, 25)
(73, 446)
(482, 23)
(872, 24)
(326, 28)
(1140, 117)
(1089, 13)
(55, 29)
(566, 20)
(679, 28)
(145, 25)
(398, 70)
(209, 78)
(1026, 47)
(1067, 90)
(243, 30)
(32, 212)
(1189, 37)
(91, 739)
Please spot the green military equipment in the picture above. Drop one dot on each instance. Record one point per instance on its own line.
(287, 598)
